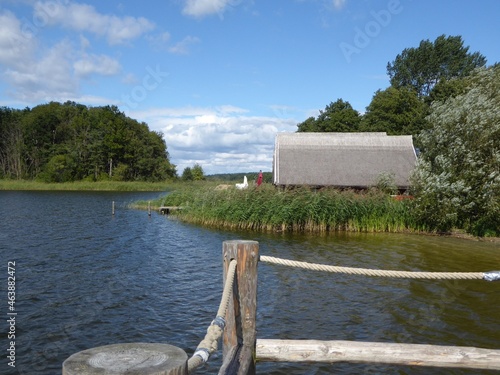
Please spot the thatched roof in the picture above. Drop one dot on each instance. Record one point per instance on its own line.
(342, 159)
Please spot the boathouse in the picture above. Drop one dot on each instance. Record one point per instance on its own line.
(343, 160)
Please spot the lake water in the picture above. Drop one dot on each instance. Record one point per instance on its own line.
(85, 279)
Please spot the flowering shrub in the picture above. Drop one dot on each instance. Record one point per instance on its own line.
(457, 179)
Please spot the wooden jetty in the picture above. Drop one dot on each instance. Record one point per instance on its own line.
(241, 349)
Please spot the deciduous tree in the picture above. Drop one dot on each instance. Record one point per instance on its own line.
(423, 67)
(187, 174)
(457, 179)
(395, 111)
(197, 172)
(337, 117)
(65, 142)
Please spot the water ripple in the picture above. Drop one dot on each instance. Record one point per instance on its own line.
(86, 279)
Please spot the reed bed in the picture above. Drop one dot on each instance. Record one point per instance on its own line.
(269, 209)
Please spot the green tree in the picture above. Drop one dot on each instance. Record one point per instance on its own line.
(308, 125)
(446, 88)
(60, 168)
(187, 174)
(62, 142)
(337, 117)
(395, 111)
(457, 179)
(11, 144)
(423, 67)
(197, 172)
(40, 136)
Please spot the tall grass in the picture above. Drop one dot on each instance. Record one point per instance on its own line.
(269, 209)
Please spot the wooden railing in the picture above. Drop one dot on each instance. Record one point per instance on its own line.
(241, 336)
(241, 349)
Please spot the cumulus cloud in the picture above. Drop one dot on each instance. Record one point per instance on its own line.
(30, 74)
(159, 41)
(130, 79)
(339, 4)
(35, 73)
(201, 8)
(182, 47)
(221, 139)
(84, 18)
(99, 64)
(52, 73)
(17, 44)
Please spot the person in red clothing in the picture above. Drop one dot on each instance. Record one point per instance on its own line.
(259, 179)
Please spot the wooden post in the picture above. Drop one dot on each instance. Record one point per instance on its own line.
(149, 208)
(113, 208)
(131, 358)
(239, 337)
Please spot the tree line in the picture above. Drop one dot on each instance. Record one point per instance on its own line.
(449, 100)
(57, 142)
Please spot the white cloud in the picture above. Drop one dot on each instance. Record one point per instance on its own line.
(201, 8)
(99, 64)
(84, 43)
(182, 47)
(220, 139)
(159, 41)
(187, 112)
(34, 72)
(84, 18)
(32, 76)
(17, 44)
(130, 79)
(37, 81)
(92, 100)
(339, 4)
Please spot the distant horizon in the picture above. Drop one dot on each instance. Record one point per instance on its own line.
(237, 173)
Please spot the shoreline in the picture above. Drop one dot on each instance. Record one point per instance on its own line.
(140, 186)
(24, 185)
(456, 233)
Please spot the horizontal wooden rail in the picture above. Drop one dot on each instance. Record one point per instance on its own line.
(272, 350)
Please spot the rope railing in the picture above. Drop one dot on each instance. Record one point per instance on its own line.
(236, 323)
(214, 332)
(488, 276)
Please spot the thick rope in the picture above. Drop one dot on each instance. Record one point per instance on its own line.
(209, 344)
(381, 273)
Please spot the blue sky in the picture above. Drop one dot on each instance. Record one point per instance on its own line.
(220, 78)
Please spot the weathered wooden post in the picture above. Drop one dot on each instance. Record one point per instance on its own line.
(239, 337)
(130, 358)
(113, 208)
(149, 208)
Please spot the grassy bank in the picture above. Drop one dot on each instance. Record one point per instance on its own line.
(269, 209)
(84, 185)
